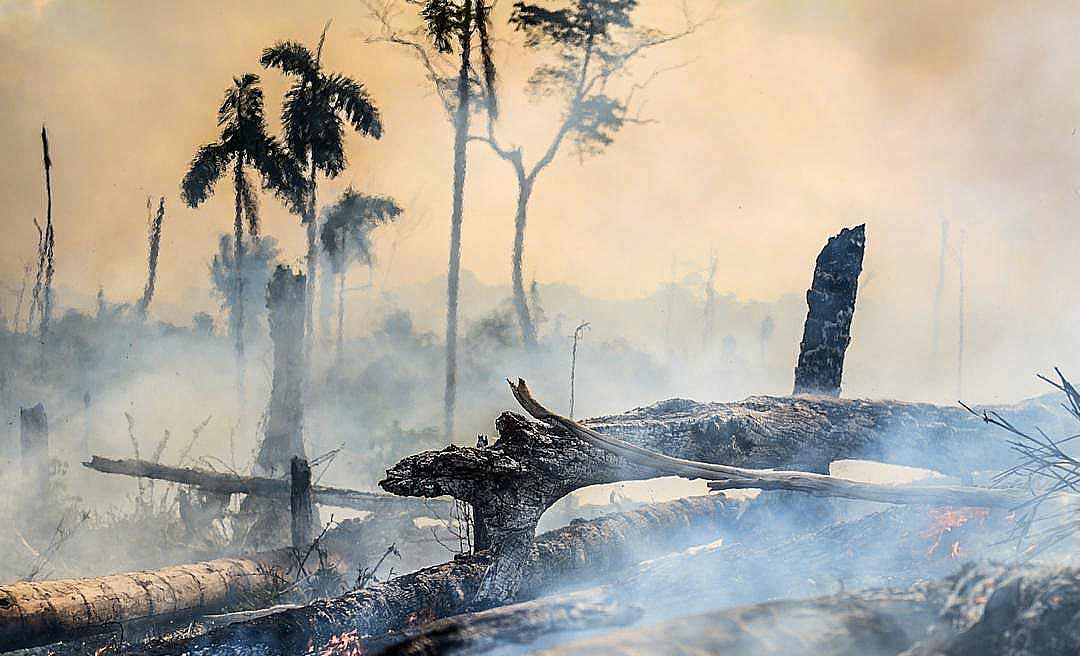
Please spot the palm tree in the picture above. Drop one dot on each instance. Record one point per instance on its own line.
(243, 143)
(447, 20)
(346, 238)
(315, 109)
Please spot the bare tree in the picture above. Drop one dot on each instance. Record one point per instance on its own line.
(154, 239)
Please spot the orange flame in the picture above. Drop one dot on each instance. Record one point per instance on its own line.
(945, 520)
(343, 644)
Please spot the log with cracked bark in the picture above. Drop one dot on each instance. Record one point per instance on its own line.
(43, 612)
(984, 610)
(276, 488)
(579, 552)
(532, 465)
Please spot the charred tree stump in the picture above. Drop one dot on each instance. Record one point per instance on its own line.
(303, 519)
(34, 440)
(583, 551)
(44, 612)
(284, 436)
(831, 306)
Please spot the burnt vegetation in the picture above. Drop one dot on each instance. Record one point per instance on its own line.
(344, 498)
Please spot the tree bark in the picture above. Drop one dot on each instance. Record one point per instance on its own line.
(303, 517)
(274, 488)
(521, 303)
(40, 613)
(34, 442)
(532, 465)
(581, 552)
(284, 436)
(831, 303)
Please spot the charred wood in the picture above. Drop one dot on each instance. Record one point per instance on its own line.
(34, 442)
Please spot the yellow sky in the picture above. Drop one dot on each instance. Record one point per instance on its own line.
(792, 119)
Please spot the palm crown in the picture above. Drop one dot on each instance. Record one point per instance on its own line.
(349, 222)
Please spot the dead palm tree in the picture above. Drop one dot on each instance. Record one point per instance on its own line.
(243, 144)
(346, 238)
(313, 115)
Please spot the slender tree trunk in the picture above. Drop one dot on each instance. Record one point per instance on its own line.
(341, 315)
(237, 309)
(461, 134)
(521, 303)
(312, 262)
(46, 306)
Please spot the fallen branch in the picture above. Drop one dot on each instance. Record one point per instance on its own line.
(225, 483)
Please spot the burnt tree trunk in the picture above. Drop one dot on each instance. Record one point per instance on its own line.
(274, 488)
(532, 465)
(34, 442)
(301, 512)
(582, 551)
(44, 612)
(284, 436)
(831, 303)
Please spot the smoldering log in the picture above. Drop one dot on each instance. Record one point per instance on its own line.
(513, 481)
(581, 551)
(274, 488)
(830, 307)
(34, 443)
(897, 547)
(519, 623)
(44, 612)
(983, 610)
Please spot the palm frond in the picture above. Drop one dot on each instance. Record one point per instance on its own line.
(443, 19)
(349, 97)
(291, 58)
(250, 205)
(280, 172)
(207, 167)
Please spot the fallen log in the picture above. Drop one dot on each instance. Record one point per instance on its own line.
(512, 482)
(520, 623)
(44, 612)
(581, 552)
(985, 610)
(226, 483)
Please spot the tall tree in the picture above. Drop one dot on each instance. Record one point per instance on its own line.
(48, 242)
(314, 113)
(243, 144)
(346, 238)
(153, 224)
(594, 41)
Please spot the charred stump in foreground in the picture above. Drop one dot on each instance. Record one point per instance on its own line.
(34, 443)
(831, 306)
(580, 552)
(532, 465)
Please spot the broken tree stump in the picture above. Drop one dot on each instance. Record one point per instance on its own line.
(532, 465)
(303, 519)
(34, 442)
(831, 306)
(582, 551)
(44, 612)
(284, 437)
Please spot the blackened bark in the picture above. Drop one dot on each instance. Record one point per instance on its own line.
(831, 302)
(303, 518)
(521, 303)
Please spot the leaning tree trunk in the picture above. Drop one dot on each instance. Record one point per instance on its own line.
(831, 301)
(453, 271)
(44, 612)
(582, 551)
(521, 303)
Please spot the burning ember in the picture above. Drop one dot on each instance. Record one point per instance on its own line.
(943, 521)
(344, 644)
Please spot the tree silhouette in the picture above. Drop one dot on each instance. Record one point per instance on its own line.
(153, 224)
(259, 260)
(243, 144)
(314, 113)
(594, 41)
(346, 238)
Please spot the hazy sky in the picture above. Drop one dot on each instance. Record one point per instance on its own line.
(791, 120)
